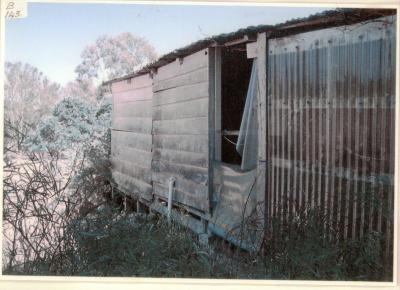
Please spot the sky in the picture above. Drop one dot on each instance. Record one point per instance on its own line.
(53, 35)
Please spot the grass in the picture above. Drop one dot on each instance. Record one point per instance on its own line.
(111, 243)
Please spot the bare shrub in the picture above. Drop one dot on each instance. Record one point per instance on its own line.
(37, 209)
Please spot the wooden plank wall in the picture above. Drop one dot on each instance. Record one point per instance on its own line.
(180, 130)
(131, 139)
(331, 102)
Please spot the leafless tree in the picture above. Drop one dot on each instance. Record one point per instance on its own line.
(40, 202)
(111, 57)
(28, 95)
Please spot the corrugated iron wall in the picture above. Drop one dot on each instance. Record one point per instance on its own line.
(330, 118)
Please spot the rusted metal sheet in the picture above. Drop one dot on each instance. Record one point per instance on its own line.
(331, 101)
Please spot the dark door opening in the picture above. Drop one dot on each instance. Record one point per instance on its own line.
(235, 77)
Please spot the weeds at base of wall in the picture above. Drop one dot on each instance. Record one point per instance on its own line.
(307, 247)
(111, 243)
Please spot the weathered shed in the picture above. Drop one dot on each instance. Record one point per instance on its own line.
(181, 130)
(131, 136)
(258, 124)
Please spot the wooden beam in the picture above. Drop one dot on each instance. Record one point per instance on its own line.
(262, 131)
(185, 220)
(211, 122)
(244, 39)
(217, 131)
(230, 132)
(251, 49)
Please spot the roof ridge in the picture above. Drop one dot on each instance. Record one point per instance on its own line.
(320, 20)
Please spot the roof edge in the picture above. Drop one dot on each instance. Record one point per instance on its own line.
(325, 19)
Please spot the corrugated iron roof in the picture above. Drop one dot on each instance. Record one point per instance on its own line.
(330, 18)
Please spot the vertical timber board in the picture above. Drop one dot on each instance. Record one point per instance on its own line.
(339, 84)
(182, 101)
(217, 106)
(262, 207)
(212, 118)
(215, 125)
(396, 262)
(131, 136)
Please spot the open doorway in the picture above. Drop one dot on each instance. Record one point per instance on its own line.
(234, 192)
(236, 71)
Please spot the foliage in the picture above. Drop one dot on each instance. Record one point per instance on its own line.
(94, 177)
(77, 127)
(307, 247)
(28, 95)
(37, 208)
(62, 175)
(110, 243)
(142, 246)
(111, 57)
(80, 89)
(74, 123)
(85, 89)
